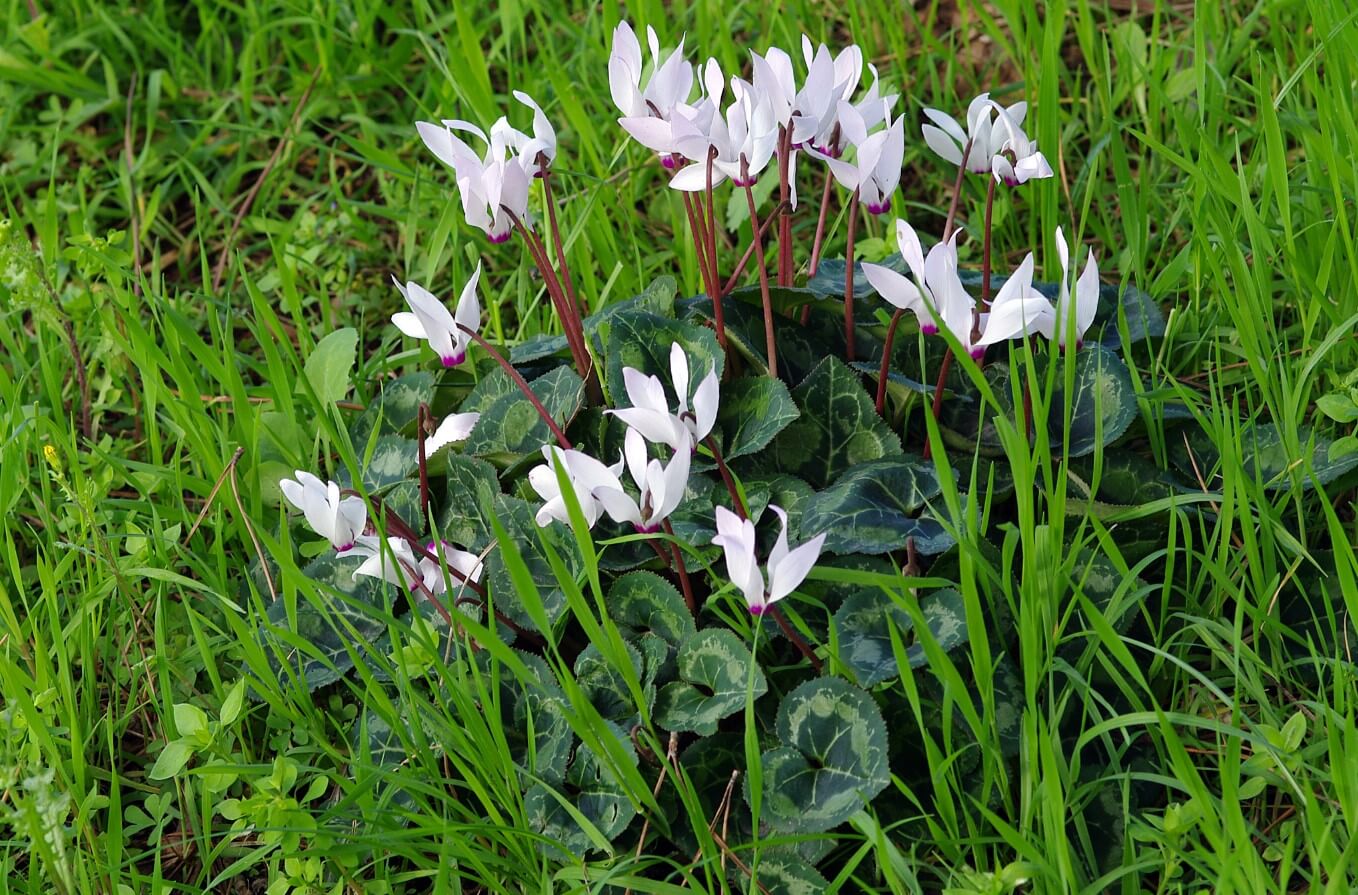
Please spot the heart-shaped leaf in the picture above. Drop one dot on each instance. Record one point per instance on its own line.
(510, 426)
(1102, 405)
(863, 625)
(595, 796)
(320, 637)
(657, 298)
(605, 686)
(516, 516)
(874, 507)
(833, 761)
(785, 874)
(642, 602)
(838, 427)
(643, 341)
(394, 408)
(472, 489)
(714, 676)
(394, 459)
(753, 410)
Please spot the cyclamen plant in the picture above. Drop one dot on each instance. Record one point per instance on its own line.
(665, 472)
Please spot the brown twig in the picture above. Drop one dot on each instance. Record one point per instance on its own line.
(212, 495)
(513, 374)
(220, 270)
(671, 756)
(249, 526)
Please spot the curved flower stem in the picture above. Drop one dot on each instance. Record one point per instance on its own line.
(796, 638)
(727, 479)
(681, 569)
(784, 197)
(698, 232)
(513, 374)
(938, 396)
(421, 431)
(570, 322)
(710, 236)
(886, 359)
(749, 250)
(820, 235)
(848, 279)
(956, 193)
(985, 266)
(576, 305)
(770, 344)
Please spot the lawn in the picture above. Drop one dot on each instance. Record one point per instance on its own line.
(1095, 635)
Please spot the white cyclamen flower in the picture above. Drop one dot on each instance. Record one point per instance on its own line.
(429, 319)
(647, 111)
(339, 520)
(875, 171)
(1086, 295)
(454, 428)
(650, 411)
(1017, 160)
(1018, 309)
(529, 146)
(395, 564)
(468, 565)
(936, 296)
(661, 486)
(585, 474)
(744, 138)
(946, 137)
(493, 189)
(786, 568)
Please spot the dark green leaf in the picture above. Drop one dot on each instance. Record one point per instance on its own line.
(605, 686)
(644, 602)
(714, 676)
(642, 341)
(591, 789)
(472, 489)
(875, 506)
(1265, 453)
(838, 427)
(1102, 406)
(394, 408)
(753, 410)
(863, 625)
(516, 516)
(511, 428)
(833, 761)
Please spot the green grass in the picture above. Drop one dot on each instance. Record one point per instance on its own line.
(1206, 152)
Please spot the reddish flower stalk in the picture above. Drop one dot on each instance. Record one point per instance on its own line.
(886, 359)
(727, 479)
(784, 197)
(570, 321)
(560, 246)
(938, 396)
(956, 193)
(749, 250)
(770, 344)
(796, 638)
(711, 234)
(679, 567)
(848, 279)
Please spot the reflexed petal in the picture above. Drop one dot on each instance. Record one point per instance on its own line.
(644, 391)
(634, 450)
(679, 374)
(1087, 296)
(942, 145)
(655, 134)
(468, 307)
(409, 324)
(705, 401)
(619, 507)
(907, 240)
(657, 427)
(949, 127)
(893, 287)
(693, 178)
(454, 428)
(793, 568)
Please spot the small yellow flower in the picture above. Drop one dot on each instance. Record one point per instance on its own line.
(49, 453)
